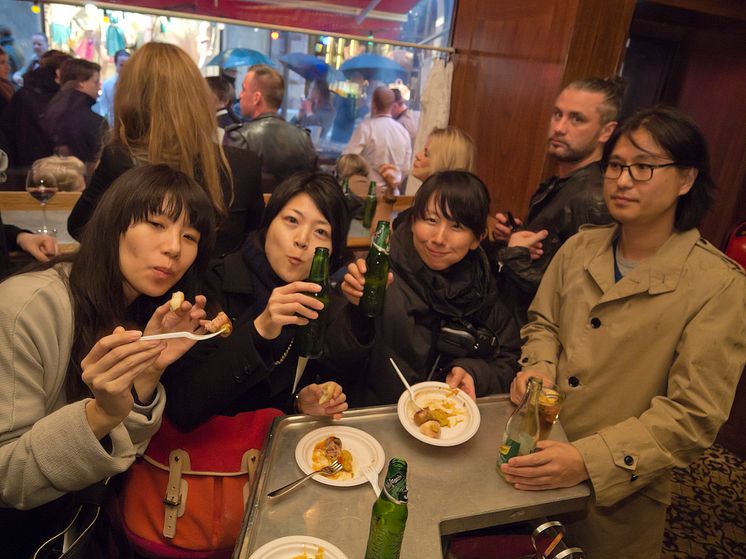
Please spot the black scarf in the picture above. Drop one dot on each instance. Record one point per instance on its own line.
(264, 280)
(260, 269)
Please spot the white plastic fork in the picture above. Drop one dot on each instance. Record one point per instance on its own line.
(406, 385)
(171, 335)
(370, 474)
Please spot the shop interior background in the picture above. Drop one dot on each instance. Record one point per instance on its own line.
(96, 33)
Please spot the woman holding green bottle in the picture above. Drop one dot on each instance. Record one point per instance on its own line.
(442, 294)
(264, 290)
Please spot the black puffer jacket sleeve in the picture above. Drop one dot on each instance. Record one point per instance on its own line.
(348, 343)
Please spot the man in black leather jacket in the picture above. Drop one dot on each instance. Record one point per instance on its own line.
(284, 148)
(584, 116)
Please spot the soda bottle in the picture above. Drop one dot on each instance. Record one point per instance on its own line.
(310, 338)
(523, 427)
(369, 210)
(389, 514)
(377, 264)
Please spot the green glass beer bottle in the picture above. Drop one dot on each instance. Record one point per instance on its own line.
(310, 338)
(389, 514)
(523, 427)
(369, 210)
(346, 188)
(377, 264)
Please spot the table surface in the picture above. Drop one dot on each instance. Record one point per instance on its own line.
(451, 489)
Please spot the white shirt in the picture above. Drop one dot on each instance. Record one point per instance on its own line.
(105, 105)
(379, 140)
(410, 119)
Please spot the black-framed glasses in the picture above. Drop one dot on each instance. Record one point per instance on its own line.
(638, 172)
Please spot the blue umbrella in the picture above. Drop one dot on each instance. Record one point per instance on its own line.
(309, 66)
(232, 58)
(374, 67)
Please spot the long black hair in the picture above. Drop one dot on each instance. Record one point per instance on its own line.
(326, 193)
(682, 139)
(96, 283)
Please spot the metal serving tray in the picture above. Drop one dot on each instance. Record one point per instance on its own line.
(451, 489)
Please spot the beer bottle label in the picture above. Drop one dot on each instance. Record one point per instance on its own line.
(509, 449)
(395, 487)
(385, 250)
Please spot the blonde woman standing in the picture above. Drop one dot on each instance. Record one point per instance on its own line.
(163, 114)
(446, 149)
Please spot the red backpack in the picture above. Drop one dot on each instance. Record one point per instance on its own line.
(185, 498)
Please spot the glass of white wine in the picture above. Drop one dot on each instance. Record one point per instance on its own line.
(42, 185)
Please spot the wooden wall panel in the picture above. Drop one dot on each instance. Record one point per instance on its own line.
(713, 94)
(507, 70)
(512, 58)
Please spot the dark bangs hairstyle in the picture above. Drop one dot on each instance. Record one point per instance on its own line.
(683, 141)
(326, 193)
(460, 196)
(96, 281)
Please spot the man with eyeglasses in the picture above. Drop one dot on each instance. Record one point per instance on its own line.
(584, 117)
(642, 325)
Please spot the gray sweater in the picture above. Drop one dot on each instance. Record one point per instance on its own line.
(47, 448)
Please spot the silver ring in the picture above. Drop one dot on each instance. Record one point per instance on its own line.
(541, 528)
(568, 552)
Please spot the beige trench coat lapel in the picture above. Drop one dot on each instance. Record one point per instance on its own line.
(659, 274)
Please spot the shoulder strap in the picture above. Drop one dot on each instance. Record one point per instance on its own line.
(87, 505)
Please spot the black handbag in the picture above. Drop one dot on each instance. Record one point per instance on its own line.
(86, 529)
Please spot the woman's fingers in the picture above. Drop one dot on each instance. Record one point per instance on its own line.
(354, 280)
(117, 338)
(198, 312)
(298, 287)
(120, 378)
(351, 294)
(117, 360)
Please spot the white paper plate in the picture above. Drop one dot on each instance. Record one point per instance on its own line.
(449, 436)
(365, 450)
(293, 546)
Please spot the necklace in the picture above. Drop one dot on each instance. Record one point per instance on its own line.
(285, 353)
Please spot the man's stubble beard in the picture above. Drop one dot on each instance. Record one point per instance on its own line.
(570, 155)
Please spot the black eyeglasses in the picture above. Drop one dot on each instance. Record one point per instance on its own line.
(639, 172)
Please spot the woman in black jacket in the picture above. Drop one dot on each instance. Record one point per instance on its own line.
(442, 303)
(262, 290)
(163, 114)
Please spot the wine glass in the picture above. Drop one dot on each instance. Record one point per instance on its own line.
(550, 404)
(42, 185)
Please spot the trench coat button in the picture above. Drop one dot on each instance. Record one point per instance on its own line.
(238, 378)
(629, 460)
(633, 478)
(595, 322)
(573, 381)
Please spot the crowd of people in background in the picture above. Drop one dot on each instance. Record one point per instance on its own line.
(603, 288)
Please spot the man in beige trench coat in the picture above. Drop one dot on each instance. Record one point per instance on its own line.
(643, 325)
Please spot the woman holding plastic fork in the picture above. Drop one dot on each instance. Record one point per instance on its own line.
(81, 393)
